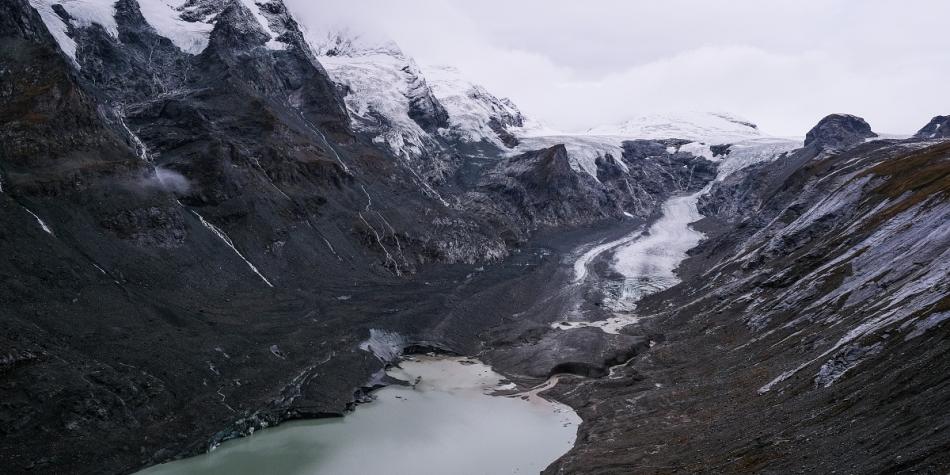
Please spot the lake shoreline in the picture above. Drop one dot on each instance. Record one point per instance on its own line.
(465, 400)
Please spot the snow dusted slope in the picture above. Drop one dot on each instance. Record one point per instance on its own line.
(79, 14)
(704, 131)
(713, 127)
(412, 110)
(187, 23)
(187, 26)
(475, 115)
(382, 85)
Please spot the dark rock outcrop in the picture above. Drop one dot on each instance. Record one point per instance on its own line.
(543, 188)
(503, 134)
(938, 127)
(838, 131)
(587, 352)
(424, 108)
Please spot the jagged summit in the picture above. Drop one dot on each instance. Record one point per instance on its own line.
(412, 109)
(938, 127)
(839, 131)
(343, 41)
(475, 114)
(187, 23)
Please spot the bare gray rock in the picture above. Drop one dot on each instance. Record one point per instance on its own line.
(838, 131)
(938, 127)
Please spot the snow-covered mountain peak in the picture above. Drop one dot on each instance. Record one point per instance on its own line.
(409, 108)
(343, 41)
(711, 127)
(385, 92)
(474, 113)
(187, 23)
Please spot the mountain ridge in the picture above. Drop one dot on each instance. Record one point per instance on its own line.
(205, 239)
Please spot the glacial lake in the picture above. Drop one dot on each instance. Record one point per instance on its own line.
(448, 423)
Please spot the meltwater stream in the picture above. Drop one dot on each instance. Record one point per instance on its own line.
(449, 422)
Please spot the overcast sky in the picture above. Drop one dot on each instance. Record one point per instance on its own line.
(781, 64)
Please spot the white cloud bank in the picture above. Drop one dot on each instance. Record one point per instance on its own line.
(783, 64)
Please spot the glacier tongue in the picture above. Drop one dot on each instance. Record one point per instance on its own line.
(648, 264)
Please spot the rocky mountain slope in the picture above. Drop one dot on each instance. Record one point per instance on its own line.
(808, 332)
(218, 223)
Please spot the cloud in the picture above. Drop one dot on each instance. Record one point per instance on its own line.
(168, 180)
(783, 64)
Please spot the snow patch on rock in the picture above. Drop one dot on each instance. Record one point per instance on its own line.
(265, 24)
(378, 81)
(40, 221)
(384, 344)
(83, 13)
(582, 151)
(167, 18)
(471, 108)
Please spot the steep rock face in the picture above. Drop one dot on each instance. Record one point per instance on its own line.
(304, 155)
(938, 127)
(738, 192)
(838, 131)
(730, 200)
(424, 108)
(809, 330)
(543, 184)
(542, 188)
